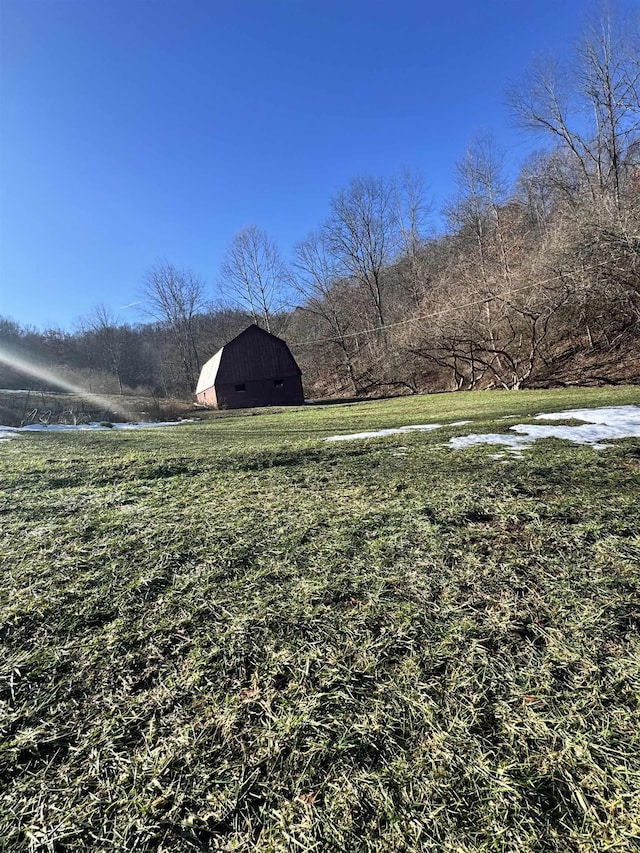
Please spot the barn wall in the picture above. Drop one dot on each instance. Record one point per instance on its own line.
(208, 398)
(261, 392)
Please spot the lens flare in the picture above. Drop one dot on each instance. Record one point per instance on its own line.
(36, 371)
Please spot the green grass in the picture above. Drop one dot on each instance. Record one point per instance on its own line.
(233, 635)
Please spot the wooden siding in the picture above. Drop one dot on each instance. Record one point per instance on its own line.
(208, 398)
(260, 392)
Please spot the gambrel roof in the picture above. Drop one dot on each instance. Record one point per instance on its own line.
(254, 354)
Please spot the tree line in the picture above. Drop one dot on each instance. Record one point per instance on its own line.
(533, 279)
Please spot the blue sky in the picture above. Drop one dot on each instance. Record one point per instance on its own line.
(137, 130)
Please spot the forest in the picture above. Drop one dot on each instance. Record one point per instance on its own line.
(531, 280)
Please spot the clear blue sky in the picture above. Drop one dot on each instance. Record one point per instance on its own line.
(135, 130)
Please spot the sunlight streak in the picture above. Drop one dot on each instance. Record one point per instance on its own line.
(29, 368)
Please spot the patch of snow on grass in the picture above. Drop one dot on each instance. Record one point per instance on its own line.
(390, 431)
(587, 434)
(613, 416)
(603, 424)
(513, 441)
(15, 432)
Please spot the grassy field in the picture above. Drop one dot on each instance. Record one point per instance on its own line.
(234, 635)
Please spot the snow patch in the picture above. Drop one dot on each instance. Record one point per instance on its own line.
(604, 424)
(622, 416)
(14, 432)
(514, 441)
(391, 431)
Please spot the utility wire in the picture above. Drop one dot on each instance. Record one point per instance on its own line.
(434, 314)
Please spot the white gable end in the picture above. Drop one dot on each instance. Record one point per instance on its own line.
(209, 372)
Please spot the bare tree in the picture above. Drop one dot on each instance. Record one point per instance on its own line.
(324, 295)
(477, 214)
(535, 190)
(362, 234)
(254, 276)
(413, 211)
(108, 341)
(608, 80)
(591, 110)
(482, 196)
(358, 270)
(175, 297)
(495, 303)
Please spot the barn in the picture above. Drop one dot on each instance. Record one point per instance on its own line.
(254, 369)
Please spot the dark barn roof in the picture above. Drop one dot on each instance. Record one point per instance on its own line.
(256, 354)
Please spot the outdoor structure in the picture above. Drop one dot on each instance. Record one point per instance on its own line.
(254, 369)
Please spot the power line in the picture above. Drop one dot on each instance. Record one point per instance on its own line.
(434, 314)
